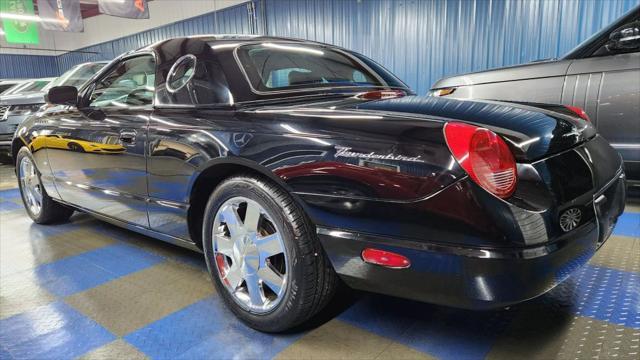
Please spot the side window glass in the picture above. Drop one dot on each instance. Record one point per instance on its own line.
(130, 83)
(181, 73)
(280, 77)
(359, 77)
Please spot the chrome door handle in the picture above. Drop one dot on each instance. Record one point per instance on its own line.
(128, 136)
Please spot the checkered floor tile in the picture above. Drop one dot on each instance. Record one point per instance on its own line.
(86, 289)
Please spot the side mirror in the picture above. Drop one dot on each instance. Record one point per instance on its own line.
(62, 95)
(626, 37)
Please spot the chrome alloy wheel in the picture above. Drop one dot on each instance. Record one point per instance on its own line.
(31, 186)
(250, 255)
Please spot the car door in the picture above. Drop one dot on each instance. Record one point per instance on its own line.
(98, 152)
(606, 83)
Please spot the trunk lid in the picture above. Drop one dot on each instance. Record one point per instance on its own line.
(532, 131)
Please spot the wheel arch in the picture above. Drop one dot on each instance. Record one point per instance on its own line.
(210, 175)
(16, 145)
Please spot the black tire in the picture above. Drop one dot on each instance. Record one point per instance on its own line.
(311, 279)
(76, 147)
(50, 211)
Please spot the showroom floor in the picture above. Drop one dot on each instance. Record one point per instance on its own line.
(90, 289)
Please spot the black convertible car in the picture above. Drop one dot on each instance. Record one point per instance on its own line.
(292, 164)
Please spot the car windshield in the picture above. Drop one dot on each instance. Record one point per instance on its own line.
(4, 88)
(291, 66)
(13, 89)
(30, 86)
(76, 76)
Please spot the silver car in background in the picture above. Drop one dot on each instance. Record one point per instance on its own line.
(27, 86)
(8, 84)
(29, 97)
(601, 76)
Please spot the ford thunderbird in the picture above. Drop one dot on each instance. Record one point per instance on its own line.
(294, 166)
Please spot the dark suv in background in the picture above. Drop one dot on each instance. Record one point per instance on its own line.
(601, 76)
(16, 107)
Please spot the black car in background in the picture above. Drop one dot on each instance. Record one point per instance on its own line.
(292, 164)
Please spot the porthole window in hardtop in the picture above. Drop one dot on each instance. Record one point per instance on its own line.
(194, 80)
(181, 73)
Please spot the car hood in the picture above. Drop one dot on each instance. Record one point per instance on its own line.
(19, 99)
(532, 132)
(541, 69)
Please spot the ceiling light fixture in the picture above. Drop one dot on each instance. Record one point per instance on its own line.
(32, 18)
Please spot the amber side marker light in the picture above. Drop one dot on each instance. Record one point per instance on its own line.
(385, 258)
(443, 91)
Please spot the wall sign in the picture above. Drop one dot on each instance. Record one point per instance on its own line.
(132, 9)
(67, 12)
(19, 31)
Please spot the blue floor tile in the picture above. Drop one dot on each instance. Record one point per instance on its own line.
(9, 206)
(628, 225)
(206, 330)
(81, 272)
(442, 332)
(54, 331)
(10, 194)
(4, 354)
(609, 295)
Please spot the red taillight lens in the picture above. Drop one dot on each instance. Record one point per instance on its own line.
(385, 258)
(484, 156)
(578, 111)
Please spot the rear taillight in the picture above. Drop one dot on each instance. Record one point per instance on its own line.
(484, 156)
(578, 111)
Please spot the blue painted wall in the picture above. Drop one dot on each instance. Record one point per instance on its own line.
(419, 40)
(27, 66)
(422, 41)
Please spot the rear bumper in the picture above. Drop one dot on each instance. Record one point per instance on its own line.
(474, 277)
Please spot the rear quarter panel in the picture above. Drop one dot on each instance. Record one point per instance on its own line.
(344, 158)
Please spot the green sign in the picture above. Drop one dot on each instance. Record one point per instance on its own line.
(19, 31)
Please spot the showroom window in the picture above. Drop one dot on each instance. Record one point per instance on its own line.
(130, 83)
